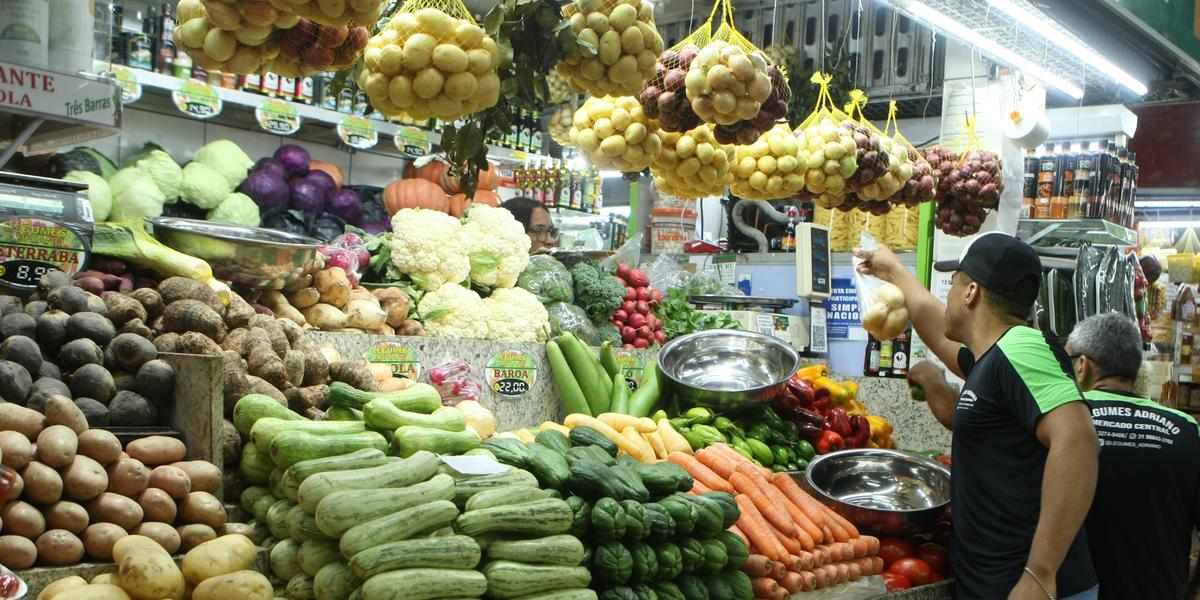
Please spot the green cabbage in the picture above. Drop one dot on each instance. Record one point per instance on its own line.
(227, 159)
(161, 168)
(203, 186)
(236, 208)
(99, 193)
(134, 196)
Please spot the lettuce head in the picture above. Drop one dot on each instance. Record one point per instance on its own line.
(99, 193)
(134, 196)
(162, 169)
(236, 208)
(227, 158)
(203, 185)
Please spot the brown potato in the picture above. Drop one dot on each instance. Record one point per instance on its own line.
(58, 547)
(98, 540)
(203, 508)
(99, 445)
(164, 534)
(23, 519)
(95, 591)
(172, 480)
(156, 450)
(247, 585)
(205, 476)
(146, 571)
(157, 506)
(43, 485)
(25, 421)
(106, 578)
(15, 450)
(128, 477)
(56, 446)
(84, 479)
(225, 554)
(18, 488)
(115, 508)
(60, 410)
(238, 529)
(61, 585)
(66, 515)
(195, 534)
(18, 552)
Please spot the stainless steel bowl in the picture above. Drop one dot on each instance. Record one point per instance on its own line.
(885, 492)
(727, 369)
(250, 257)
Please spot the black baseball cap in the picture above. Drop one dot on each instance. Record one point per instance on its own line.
(1002, 264)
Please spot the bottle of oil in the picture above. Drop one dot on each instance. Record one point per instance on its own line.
(1070, 164)
(1029, 189)
(1045, 182)
(1058, 203)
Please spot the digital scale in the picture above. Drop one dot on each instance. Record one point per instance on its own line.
(814, 279)
(45, 224)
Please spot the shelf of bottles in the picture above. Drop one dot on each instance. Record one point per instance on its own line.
(1085, 179)
(565, 190)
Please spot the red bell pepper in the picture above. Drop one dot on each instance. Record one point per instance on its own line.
(802, 390)
(821, 401)
(838, 420)
(860, 432)
(830, 441)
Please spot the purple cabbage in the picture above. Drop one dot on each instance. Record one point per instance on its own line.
(306, 195)
(266, 189)
(322, 179)
(377, 227)
(346, 204)
(293, 158)
(272, 166)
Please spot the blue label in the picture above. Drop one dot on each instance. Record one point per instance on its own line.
(841, 309)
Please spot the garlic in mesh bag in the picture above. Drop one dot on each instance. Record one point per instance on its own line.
(431, 60)
(231, 37)
(615, 133)
(617, 49)
(692, 164)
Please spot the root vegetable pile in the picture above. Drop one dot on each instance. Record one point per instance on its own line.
(635, 318)
(692, 164)
(620, 45)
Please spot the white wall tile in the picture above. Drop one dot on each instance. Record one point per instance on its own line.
(179, 136)
(375, 169)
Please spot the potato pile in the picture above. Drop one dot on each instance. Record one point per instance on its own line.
(218, 569)
(615, 133)
(736, 89)
(560, 125)
(560, 88)
(310, 48)
(627, 45)
(78, 492)
(429, 64)
(772, 167)
(832, 160)
(232, 37)
(665, 98)
(692, 164)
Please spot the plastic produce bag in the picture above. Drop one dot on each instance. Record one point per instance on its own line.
(630, 253)
(548, 279)
(349, 252)
(1085, 280)
(881, 304)
(568, 317)
(454, 382)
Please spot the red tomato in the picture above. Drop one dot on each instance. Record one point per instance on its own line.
(916, 570)
(945, 460)
(896, 582)
(936, 556)
(894, 549)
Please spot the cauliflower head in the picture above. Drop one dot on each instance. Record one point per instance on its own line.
(428, 246)
(98, 192)
(455, 312)
(134, 196)
(236, 208)
(203, 186)
(162, 170)
(516, 315)
(227, 158)
(496, 244)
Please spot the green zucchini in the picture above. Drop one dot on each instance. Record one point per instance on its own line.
(508, 579)
(575, 594)
(359, 459)
(302, 526)
(252, 407)
(414, 469)
(341, 413)
(300, 587)
(254, 465)
(335, 581)
(341, 510)
(398, 526)
(291, 447)
(315, 554)
(289, 485)
(383, 415)
(504, 496)
(277, 518)
(469, 486)
(564, 550)
(589, 436)
(251, 495)
(265, 430)
(540, 517)
(285, 559)
(447, 552)
(418, 397)
(425, 584)
(411, 439)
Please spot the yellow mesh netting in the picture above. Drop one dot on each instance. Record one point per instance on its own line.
(618, 45)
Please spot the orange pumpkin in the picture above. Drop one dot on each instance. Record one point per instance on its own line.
(414, 193)
(481, 196)
(490, 178)
(330, 168)
(434, 171)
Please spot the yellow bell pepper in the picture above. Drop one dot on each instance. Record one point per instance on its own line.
(881, 431)
(839, 394)
(852, 386)
(812, 372)
(856, 407)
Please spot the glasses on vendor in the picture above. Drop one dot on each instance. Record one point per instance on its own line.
(546, 234)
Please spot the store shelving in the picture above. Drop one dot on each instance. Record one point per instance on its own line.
(42, 109)
(1050, 232)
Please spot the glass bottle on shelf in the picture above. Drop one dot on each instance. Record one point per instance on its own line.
(1070, 164)
(1029, 179)
(871, 357)
(166, 40)
(1058, 203)
(182, 66)
(901, 348)
(1083, 181)
(564, 185)
(1045, 182)
(1114, 182)
(587, 189)
(577, 184)
(598, 197)
(535, 138)
(788, 243)
(118, 38)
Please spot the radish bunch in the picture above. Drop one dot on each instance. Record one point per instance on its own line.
(635, 317)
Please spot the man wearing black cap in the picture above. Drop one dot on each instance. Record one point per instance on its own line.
(1025, 451)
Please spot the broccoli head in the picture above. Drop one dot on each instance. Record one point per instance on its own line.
(607, 332)
(596, 291)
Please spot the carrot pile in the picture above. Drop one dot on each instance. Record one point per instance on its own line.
(797, 544)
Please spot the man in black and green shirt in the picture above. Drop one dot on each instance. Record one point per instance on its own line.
(1024, 448)
(1147, 505)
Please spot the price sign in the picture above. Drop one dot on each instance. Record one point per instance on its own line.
(412, 142)
(131, 90)
(511, 373)
(404, 360)
(30, 247)
(358, 132)
(278, 117)
(196, 99)
(632, 366)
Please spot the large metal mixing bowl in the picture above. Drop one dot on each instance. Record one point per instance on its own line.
(250, 257)
(727, 369)
(880, 491)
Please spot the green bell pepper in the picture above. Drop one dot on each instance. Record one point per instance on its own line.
(762, 452)
(805, 450)
(709, 434)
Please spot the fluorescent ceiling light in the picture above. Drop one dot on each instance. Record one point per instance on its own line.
(1167, 203)
(924, 12)
(1040, 24)
(1167, 224)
